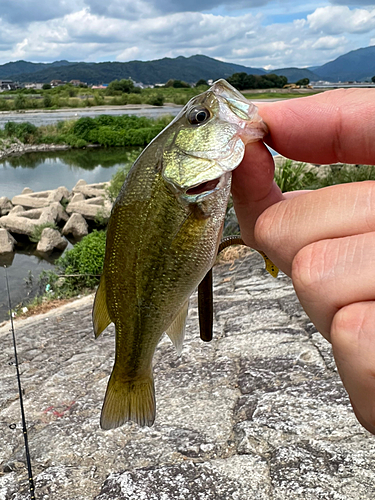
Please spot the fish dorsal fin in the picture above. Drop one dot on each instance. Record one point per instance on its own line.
(100, 315)
(176, 332)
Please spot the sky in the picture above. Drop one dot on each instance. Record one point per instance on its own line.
(257, 33)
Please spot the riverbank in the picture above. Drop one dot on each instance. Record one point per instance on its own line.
(16, 148)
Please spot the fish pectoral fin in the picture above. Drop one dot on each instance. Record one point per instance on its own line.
(176, 331)
(126, 400)
(100, 315)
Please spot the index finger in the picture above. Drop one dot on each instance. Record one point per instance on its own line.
(334, 126)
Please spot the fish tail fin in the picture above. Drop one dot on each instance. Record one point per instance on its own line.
(128, 400)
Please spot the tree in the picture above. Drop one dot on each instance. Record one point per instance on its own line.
(303, 81)
(201, 82)
(46, 86)
(177, 84)
(117, 87)
(373, 79)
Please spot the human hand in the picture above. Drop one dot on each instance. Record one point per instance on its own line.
(323, 239)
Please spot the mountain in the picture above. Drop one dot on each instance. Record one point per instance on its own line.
(11, 70)
(357, 65)
(190, 69)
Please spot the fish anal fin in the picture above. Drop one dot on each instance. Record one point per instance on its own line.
(126, 400)
(176, 331)
(100, 315)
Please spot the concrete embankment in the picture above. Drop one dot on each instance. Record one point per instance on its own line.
(258, 413)
(68, 211)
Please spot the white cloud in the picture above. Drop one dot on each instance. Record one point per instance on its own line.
(329, 42)
(340, 19)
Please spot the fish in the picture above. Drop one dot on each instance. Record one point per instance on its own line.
(163, 236)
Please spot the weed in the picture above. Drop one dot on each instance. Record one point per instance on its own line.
(37, 231)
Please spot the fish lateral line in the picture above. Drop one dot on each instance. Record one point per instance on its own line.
(205, 289)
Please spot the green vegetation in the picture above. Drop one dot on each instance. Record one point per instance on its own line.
(103, 130)
(78, 269)
(292, 176)
(303, 81)
(243, 81)
(349, 173)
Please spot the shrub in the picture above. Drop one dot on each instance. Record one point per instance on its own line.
(23, 131)
(85, 259)
(156, 100)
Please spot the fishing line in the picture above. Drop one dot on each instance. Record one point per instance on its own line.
(24, 427)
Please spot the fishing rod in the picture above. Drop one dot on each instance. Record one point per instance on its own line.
(24, 427)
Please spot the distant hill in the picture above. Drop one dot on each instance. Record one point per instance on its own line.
(355, 65)
(12, 70)
(190, 69)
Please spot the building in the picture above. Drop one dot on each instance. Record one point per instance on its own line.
(8, 85)
(77, 83)
(57, 83)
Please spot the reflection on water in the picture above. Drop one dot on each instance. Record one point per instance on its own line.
(42, 171)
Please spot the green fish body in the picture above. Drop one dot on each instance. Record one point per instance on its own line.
(163, 237)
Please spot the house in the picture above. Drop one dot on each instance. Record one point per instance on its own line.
(36, 86)
(8, 85)
(77, 83)
(57, 83)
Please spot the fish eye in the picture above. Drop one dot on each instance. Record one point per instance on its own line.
(198, 115)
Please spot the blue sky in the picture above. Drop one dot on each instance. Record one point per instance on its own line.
(255, 33)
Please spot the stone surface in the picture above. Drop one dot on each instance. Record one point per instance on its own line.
(18, 225)
(50, 240)
(76, 226)
(90, 211)
(258, 413)
(90, 190)
(7, 242)
(53, 213)
(5, 205)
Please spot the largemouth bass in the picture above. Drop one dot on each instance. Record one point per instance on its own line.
(163, 237)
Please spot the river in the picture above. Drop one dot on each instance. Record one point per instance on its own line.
(38, 118)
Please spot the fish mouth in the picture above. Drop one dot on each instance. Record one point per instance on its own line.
(204, 187)
(201, 191)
